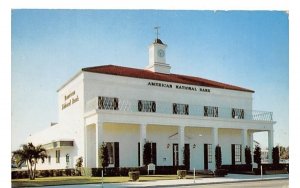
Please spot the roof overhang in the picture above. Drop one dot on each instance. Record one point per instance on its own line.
(59, 144)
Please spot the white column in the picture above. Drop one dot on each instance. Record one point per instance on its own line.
(181, 144)
(270, 145)
(143, 137)
(244, 144)
(99, 140)
(215, 142)
(85, 146)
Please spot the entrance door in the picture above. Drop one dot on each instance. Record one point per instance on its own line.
(175, 155)
(205, 156)
(187, 156)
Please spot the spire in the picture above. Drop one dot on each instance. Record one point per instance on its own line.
(157, 40)
(157, 33)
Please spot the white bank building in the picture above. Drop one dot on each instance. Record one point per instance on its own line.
(124, 107)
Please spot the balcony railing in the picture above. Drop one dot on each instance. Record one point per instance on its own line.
(161, 107)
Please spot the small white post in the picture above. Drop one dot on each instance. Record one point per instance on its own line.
(102, 177)
(261, 172)
(194, 174)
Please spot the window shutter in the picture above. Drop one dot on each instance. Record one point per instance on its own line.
(116, 103)
(100, 102)
(117, 159)
(139, 160)
(154, 153)
(233, 154)
(153, 106)
(205, 157)
(174, 108)
(186, 109)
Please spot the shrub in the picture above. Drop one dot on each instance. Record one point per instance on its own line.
(44, 173)
(103, 157)
(51, 173)
(186, 157)
(68, 172)
(257, 155)
(218, 156)
(78, 166)
(238, 168)
(19, 174)
(57, 172)
(181, 174)
(134, 175)
(248, 157)
(220, 172)
(275, 155)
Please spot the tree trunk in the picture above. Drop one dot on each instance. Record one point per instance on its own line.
(34, 170)
(29, 174)
(31, 171)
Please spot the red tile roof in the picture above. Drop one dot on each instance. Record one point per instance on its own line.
(175, 78)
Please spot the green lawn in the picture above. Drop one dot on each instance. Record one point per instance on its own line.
(83, 180)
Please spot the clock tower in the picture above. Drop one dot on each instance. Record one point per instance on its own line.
(157, 57)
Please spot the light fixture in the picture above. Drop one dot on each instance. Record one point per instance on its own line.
(194, 146)
(168, 145)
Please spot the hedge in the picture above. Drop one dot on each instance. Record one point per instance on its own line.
(43, 173)
(97, 172)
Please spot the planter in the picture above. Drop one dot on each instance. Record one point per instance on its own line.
(181, 174)
(220, 172)
(134, 175)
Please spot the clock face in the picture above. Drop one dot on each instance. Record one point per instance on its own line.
(161, 53)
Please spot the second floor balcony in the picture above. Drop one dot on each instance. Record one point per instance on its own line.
(161, 107)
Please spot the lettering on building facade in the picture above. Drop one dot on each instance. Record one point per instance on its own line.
(69, 100)
(177, 86)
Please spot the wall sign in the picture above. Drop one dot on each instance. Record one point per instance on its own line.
(178, 86)
(69, 100)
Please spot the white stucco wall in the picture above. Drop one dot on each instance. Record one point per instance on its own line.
(138, 89)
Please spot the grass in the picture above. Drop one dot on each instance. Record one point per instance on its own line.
(83, 180)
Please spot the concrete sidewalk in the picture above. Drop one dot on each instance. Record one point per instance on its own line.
(230, 178)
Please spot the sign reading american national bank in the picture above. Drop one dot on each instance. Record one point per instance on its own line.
(177, 86)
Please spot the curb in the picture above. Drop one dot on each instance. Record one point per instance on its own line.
(221, 182)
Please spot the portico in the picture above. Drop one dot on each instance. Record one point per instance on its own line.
(170, 133)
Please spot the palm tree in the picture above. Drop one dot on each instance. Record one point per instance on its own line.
(30, 154)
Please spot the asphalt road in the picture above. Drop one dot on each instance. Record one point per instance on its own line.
(254, 184)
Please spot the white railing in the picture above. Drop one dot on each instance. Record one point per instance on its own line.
(128, 105)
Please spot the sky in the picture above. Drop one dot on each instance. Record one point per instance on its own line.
(244, 48)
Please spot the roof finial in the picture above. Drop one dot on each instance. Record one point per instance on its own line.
(157, 28)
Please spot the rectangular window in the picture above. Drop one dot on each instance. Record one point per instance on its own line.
(211, 111)
(108, 103)
(67, 158)
(238, 152)
(110, 149)
(146, 106)
(209, 153)
(237, 113)
(57, 155)
(49, 159)
(182, 109)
